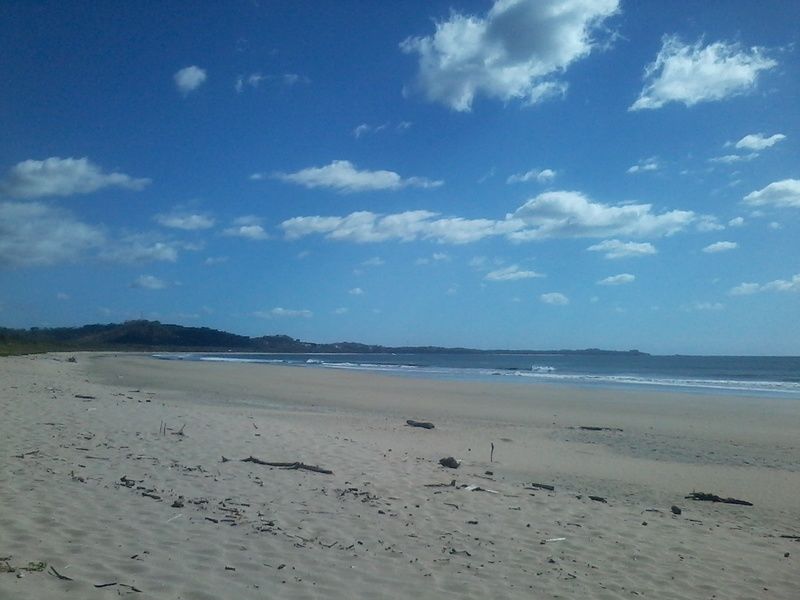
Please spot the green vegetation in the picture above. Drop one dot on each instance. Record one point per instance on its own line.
(151, 335)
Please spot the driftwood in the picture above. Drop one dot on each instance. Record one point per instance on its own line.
(24, 454)
(288, 465)
(598, 499)
(423, 424)
(541, 486)
(706, 497)
(593, 428)
(85, 397)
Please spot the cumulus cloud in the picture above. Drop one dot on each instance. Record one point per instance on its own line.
(436, 257)
(777, 285)
(517, 50)
(364, 226)
(57, 176)
(705, 306)
(706, 223)
(758, 141)
(620, 279)
(693, 73)
(648, 164)
(356, 291)
(511, 273)
(720, 247)
(244, 81)
(548, 215)
(189, 79)
(35, 234)
(780, 194)
(618, 249)
(279, 312)
(736, 222)
(542, 176)
(185, 221)
(248, 227)
(343, 176)
(148, 282)
(571, 214)
(556, 298)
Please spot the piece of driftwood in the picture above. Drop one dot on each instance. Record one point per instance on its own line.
(541, 486)
(491, 452)
(85, 397)
(706, 497)
(598, 499)
(59, 575)
(24, 454)
(422, 424)
(288, 465)
(594, 428)
(449, 462)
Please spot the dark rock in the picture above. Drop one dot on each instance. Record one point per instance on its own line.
(675, 510)
(449, 462)
(423, 424)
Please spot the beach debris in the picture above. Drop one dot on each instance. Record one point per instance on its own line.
(227, 568)
(706, 497)
(180, 431)
(178, 503)
(6, 567)
(225, 459)
(675, 510)
(422, 424)
(59, 575)
(796, 538)
(24, 454)
(451, 504)
(541, 486)
(598, 499)
(551, 540)
(449, 462)
(477, 488)
(85, 397)
(595, 428)
(451, 484)
(72, 359)
(150, 494)
(491, 452)
(288, 465)
(113, 583)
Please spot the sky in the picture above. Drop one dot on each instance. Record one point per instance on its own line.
(511, 174)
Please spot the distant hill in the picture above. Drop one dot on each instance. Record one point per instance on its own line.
(152, 335)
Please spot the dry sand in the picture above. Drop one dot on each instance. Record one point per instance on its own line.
(184, 524)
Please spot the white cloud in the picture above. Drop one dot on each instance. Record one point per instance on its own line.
(517, 51)
(556, 298)
(548, 215)
(279, 312)
(212, 261)
(620, 279)
(733, 158)
(511, 273)
(248, 227)
(148, 282)
(758, 142)
(706, 223)
(647, 164)
(736, 222)
(775, 225)
(436, 257)
(375, 261)
(777, 285)
(356, 291)
(35, 234)
(141, 248)
(705, 306)
(720, 247)
(693, 73)
(253, 80)
(571, 214)
(57, 176)
(542, 176)
(342, 176)
(617, 249)
(363, 227)
(780, 194)
(185, 221)
(189, 79)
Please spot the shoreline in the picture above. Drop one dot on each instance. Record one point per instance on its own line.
(375, 526)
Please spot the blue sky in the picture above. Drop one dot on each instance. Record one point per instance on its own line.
(509, 174)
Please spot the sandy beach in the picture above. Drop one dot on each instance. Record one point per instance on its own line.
(121, 474)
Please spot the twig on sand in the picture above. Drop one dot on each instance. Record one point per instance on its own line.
(288, 465)
(59, 575)
(541, 486)
(706, 497)
(24, 454)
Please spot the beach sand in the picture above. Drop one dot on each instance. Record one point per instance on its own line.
(112, 472)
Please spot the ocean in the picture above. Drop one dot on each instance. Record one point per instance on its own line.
(740, 375)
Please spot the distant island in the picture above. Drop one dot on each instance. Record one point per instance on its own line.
(143, 335)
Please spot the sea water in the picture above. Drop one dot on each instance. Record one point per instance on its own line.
(759, 375)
